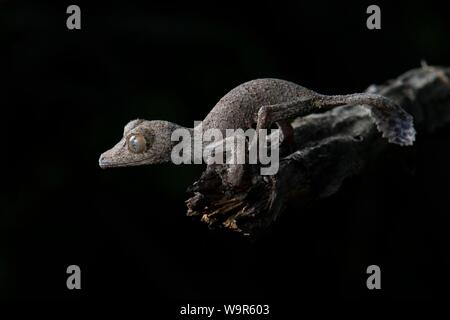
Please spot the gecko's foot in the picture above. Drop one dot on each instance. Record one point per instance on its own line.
(287, 143)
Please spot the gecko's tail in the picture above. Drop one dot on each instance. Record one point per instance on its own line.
(394, 123)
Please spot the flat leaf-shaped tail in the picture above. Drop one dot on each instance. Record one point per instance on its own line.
(394, 123)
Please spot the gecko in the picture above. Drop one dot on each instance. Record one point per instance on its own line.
(256, 104)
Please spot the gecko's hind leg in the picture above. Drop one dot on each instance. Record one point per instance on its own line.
(280, 114)
(286, 130)
(391, 120)
(284, 111)
(287, 142)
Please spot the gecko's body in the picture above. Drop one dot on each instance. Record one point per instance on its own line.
(255, 104)
(239, 107)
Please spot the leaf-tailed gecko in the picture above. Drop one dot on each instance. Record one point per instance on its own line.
(255, 104)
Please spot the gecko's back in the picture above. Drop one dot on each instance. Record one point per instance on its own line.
(239, 107)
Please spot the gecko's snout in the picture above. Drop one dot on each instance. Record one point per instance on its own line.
(103, 162)
(113, 157)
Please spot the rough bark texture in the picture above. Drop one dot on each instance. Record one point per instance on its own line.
(330, 147)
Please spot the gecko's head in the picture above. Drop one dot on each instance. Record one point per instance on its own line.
(143, 142)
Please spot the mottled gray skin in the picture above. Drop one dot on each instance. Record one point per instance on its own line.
(259, 103)
(239, 107)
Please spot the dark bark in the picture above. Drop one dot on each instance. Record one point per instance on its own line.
(330, 147)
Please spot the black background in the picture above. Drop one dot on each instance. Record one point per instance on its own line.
(68, 94)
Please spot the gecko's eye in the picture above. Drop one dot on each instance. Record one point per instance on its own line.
(137, 143)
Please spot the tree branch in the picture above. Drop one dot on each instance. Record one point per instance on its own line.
(330, 147)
